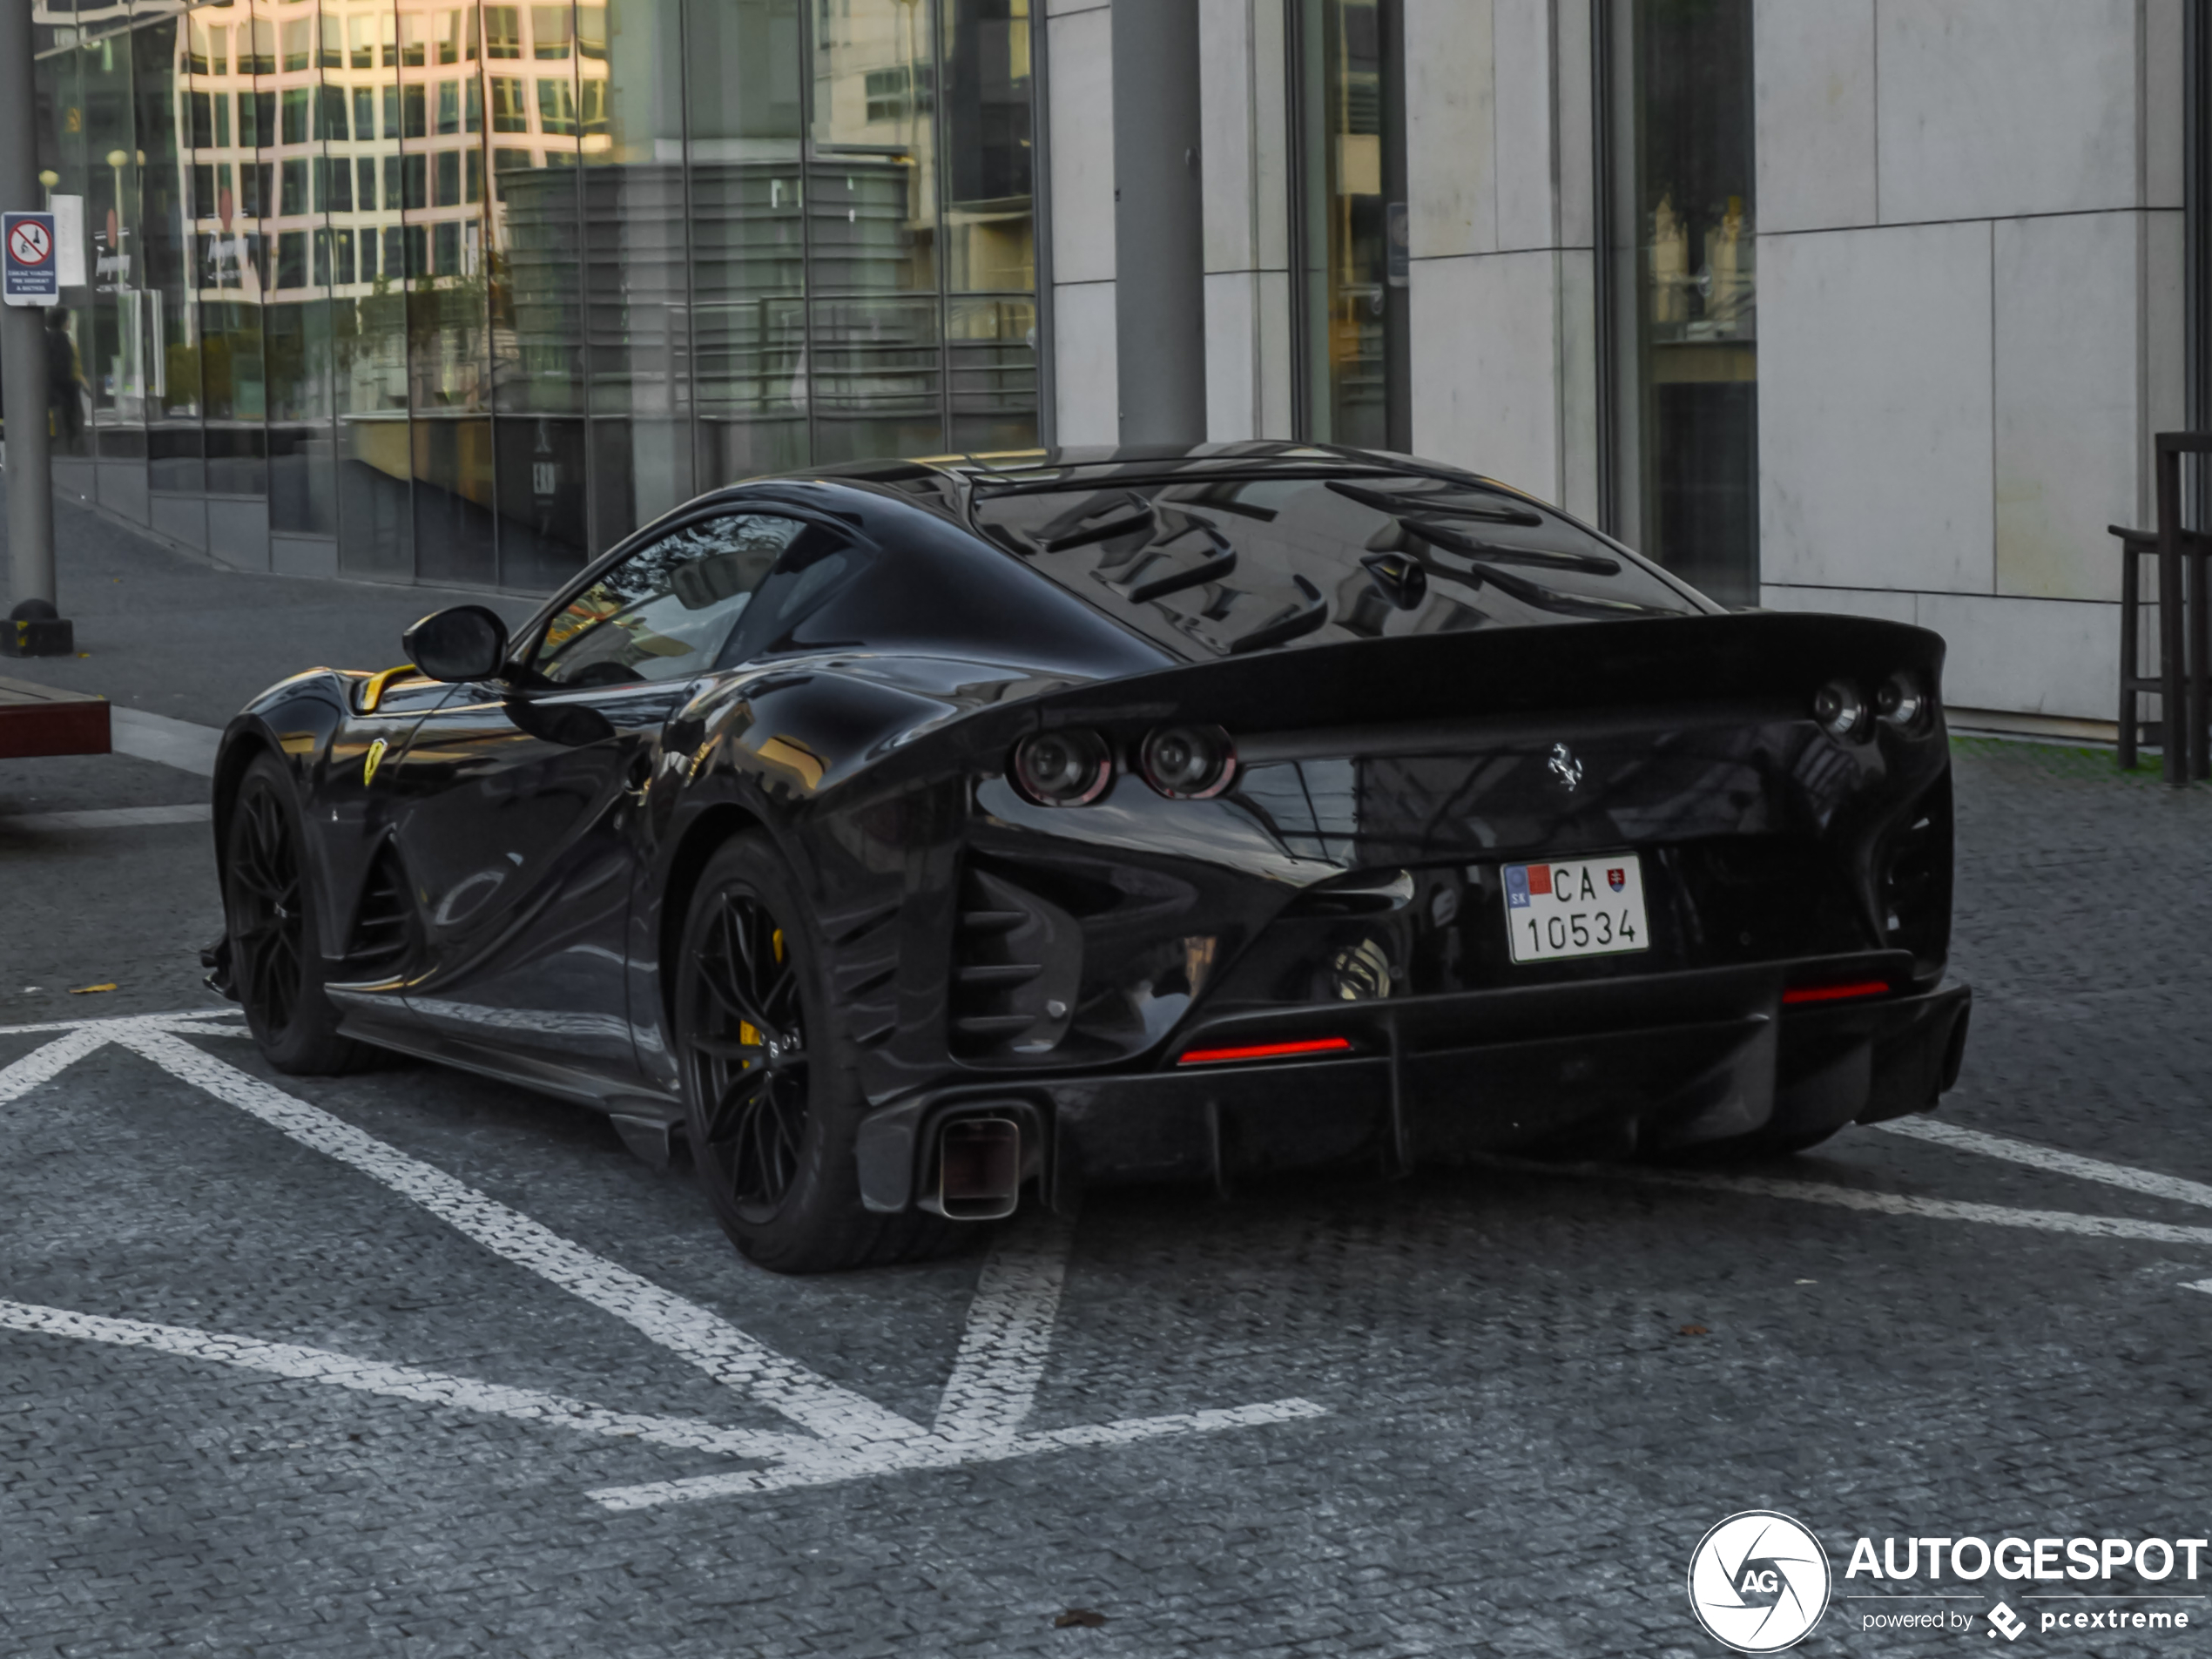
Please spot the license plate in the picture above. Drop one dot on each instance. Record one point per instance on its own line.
(1576, 907)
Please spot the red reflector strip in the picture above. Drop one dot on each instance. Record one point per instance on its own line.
(1836, 993)
(1266, 1051)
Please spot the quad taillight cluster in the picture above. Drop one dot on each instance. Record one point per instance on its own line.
(1076, 766)
(1844, 711)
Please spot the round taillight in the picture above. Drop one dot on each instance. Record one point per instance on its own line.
(1188, 762)
(1069, 768)
(1901, 701)
(1839, 709)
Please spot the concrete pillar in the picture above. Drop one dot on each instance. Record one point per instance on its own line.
(1159, 300)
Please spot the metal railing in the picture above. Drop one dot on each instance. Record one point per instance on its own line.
(2184, 682)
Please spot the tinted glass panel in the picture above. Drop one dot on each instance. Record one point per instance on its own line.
(667, 611)
(1353, 284)
(1696, 341)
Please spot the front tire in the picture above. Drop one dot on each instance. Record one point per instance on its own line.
(276, 947)
(772, 1101)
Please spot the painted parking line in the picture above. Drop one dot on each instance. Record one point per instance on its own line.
(159, 738)
(1000, 1359)
(1898, 1203)
(1004, 1348)
(1960, 1137)
(933, 1454)
(396, 1382)
(103, 818)
(710, 1342)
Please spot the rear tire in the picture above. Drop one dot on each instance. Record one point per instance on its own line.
(772, 1100)
(276, 946)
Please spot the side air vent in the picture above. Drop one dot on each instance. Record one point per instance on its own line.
(1916, 879)
(1017, 961)
(864, 969)
(383, 924)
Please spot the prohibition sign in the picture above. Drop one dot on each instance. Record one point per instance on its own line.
(29, 244)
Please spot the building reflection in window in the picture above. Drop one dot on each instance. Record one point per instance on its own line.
(466, 291)
(1353, 280)
(1692, 373)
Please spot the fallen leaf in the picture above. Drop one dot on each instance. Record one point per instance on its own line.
(87, 990)
(1695, 1331)
(1079, 1618)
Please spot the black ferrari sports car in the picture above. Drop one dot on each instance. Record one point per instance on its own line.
(902, 838)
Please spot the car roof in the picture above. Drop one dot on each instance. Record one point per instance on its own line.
(1080, 466)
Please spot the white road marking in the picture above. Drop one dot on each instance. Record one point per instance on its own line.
(990, 1395)
(2050, 1157)
(168, 1019)
(1896, 1203)
(182, 744)
(48, 1060)
(707, 1340)
(399, 1382)
(1009, 1332)
(105, 818)
(1002, 1352)
(934, 1453)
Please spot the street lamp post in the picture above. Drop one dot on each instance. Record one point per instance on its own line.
(23, 367)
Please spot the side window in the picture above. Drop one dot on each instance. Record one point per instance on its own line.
(814, 564)
(667, 611)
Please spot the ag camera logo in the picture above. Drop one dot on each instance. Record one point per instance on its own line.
(1758, 1582)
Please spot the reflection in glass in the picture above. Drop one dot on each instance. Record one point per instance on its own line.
(1696, 350)
(174, 455)
(62, 151)
(635, 281)
(115, 365)
(872, 230)
(990, 227)
(296, 319)
(369, 311)
(1353, 277)
(535, 271)
(748, 264)
(668, 610)
(477, 289)
(449, 294)
(636, 286)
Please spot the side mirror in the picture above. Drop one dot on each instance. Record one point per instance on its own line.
(461, 642)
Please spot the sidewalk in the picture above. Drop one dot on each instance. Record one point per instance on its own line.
(176, 636)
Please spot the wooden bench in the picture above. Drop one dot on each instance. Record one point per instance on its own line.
(39, 720)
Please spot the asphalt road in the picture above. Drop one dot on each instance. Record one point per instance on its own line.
(412, 1364)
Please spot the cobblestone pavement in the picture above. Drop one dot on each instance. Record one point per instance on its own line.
(1481, 1429)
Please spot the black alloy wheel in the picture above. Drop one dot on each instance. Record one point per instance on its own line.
(268, 912)
(748, 1042)
(276, 959)
(771, 1091)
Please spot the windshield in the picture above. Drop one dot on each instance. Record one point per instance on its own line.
(1215, 567)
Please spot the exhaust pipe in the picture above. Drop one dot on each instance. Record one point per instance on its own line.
(979, 1168)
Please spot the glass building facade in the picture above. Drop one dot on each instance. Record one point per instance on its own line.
(1686, 244)
(462, 294)
(1349, 206)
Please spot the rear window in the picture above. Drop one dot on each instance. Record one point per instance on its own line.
(1215, 567)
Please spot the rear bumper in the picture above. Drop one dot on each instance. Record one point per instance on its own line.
(1671, 1061)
